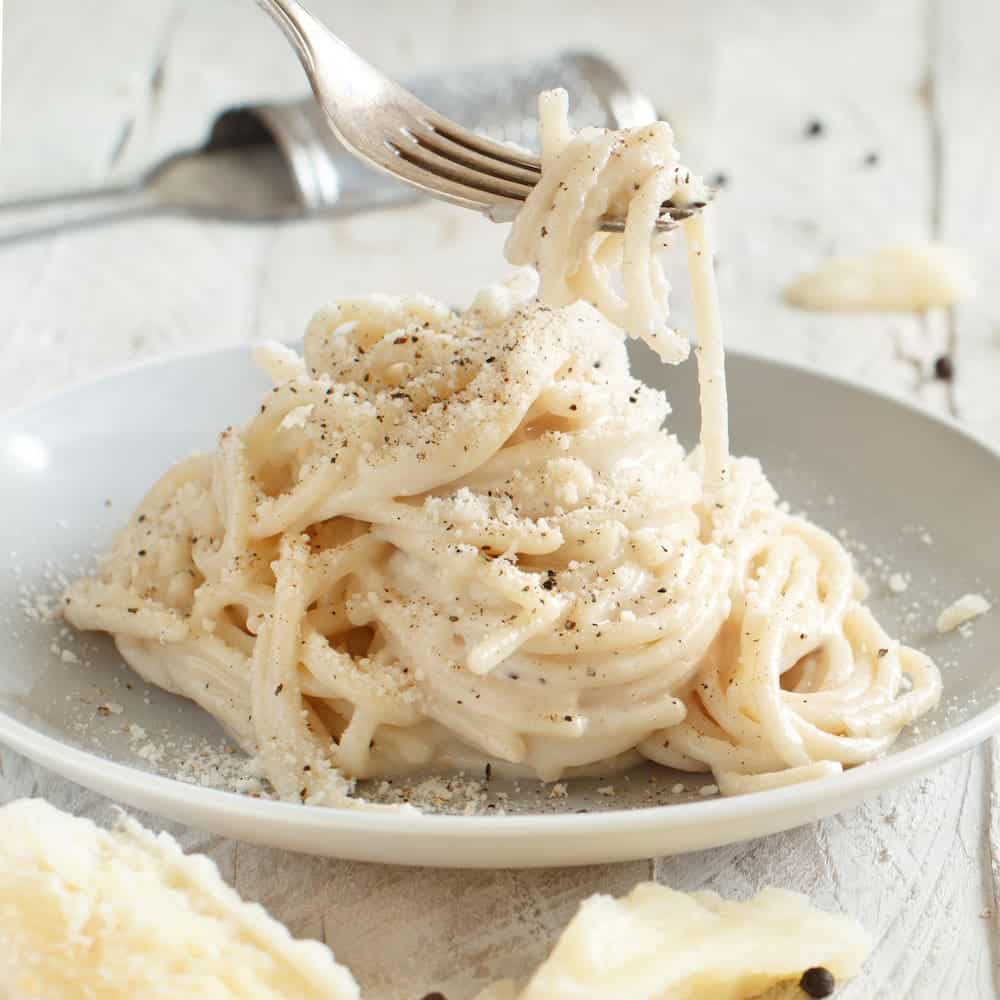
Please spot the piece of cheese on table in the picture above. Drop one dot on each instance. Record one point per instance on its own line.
(91, 914)
(660, 944)
(893, 279)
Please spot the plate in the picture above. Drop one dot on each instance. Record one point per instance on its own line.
(911, 493)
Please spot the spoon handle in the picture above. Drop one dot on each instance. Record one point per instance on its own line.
(30, 218)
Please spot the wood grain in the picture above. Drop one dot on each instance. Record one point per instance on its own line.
(907, 80)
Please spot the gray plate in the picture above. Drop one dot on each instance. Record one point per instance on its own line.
(74, 467)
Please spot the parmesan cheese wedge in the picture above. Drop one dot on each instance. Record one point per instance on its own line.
(659, 944)
(88, 913)
(894, 279)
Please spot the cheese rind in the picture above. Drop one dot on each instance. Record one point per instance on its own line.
(91, 914)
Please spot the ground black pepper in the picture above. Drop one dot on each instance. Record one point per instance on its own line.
(944, 368)
(818, 982)
(814, 128)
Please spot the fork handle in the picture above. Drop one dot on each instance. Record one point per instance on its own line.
(29, 218)
(289, 16)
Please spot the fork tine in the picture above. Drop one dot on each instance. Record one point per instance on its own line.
(664, 224)
(410, 148)
(671, 217)
(433, 150)
(443, 188)
(499, 199)
(442, 144)
(480, 144)
(462, 147)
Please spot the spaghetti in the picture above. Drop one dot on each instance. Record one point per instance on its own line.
(451, 538)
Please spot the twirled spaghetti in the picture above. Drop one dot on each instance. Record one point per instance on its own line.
(452, 538)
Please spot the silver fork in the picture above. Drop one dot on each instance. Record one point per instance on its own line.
(388, 128)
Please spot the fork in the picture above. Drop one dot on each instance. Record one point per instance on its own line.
(388, 128)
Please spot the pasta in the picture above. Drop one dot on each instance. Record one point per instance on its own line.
(585, 176)
(447, 539)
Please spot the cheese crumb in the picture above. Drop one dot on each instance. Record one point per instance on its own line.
(281, 363)
(298, 417)
(966, 608)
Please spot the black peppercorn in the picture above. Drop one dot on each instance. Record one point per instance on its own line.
(818, 982)
(814, 128)
(944, 369)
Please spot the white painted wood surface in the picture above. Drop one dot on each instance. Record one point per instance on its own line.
(94, 89)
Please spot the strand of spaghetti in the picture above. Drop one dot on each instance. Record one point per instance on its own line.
(646, 288)
(334, 674)
(294, 749)
(110, 607)
(711, 356)
(237, 499)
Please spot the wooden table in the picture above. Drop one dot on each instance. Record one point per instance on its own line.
(906, 92)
